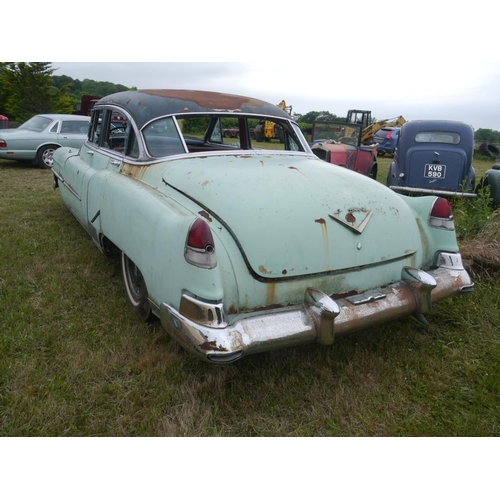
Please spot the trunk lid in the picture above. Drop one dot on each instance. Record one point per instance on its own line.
(432, 169)
(294, 215)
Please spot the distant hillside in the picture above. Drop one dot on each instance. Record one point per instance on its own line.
(90, 87)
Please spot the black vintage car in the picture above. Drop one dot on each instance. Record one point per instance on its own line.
(434, 157)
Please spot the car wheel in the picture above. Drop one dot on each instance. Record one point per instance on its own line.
(135, 288)
(45, 156)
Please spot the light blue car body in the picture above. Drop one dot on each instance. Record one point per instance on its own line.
(302, 250)
(38, 138)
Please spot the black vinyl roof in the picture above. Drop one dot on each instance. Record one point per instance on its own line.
(145, 105)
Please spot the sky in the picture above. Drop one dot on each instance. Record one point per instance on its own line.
(436, 59)
(417, 90)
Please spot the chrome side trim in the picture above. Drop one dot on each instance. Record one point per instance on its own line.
(70, 189)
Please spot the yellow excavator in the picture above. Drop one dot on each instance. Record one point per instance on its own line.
(369, 129)
(270, 130)
(369, 132)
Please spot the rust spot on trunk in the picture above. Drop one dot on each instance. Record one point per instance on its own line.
(263, 270)
(271, 292)
(350, 218)
(205, 215)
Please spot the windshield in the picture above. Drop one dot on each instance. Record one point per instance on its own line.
(339, 132)
(37, 123)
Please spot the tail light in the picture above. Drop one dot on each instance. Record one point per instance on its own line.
(389, 135)
(200, 247)
(441, 216)
(3, 144)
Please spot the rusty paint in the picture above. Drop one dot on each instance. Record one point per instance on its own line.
(324, 230)
(214, 100)
(271, 293)
(232, 309)
(350, 218)
(137, 172)
(206, 215)
(263, 269)
(284, 272)
(212, 346)
(268, 307)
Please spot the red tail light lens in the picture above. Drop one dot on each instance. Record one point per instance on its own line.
(3, 144)
(441, 208)
(200, 235)
(200, 246)
(441, 216)
(389, 135)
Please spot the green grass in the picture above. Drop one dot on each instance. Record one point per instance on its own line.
(75, 361)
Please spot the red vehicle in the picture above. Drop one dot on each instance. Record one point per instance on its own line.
(340, 143)
(86, 104)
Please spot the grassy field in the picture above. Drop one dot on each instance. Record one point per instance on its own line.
(75, 361)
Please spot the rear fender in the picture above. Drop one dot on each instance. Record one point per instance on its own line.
(492, 179)
(433, 240)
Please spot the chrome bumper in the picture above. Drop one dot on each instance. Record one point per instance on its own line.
(318, 319)
(434, 192)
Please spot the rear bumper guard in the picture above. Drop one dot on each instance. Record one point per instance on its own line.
(318, 319)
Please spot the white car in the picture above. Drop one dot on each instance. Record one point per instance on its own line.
(38, 138)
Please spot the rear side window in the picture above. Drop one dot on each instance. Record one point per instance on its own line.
(443, 137)
(162, 138)
(74, 127)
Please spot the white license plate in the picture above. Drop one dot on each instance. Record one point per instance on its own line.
(434, 171)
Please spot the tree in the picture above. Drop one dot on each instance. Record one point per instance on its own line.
(487, 135)
(28, 90)
(311, 116)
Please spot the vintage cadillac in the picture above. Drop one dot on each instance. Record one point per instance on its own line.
(239, 249)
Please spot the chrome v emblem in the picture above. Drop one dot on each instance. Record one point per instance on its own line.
(350, 221)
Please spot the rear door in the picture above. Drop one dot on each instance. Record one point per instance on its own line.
(72, 133)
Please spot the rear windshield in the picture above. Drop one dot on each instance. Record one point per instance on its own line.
(204, 133)
(444, 137)
(36, 124)
(383, 133)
